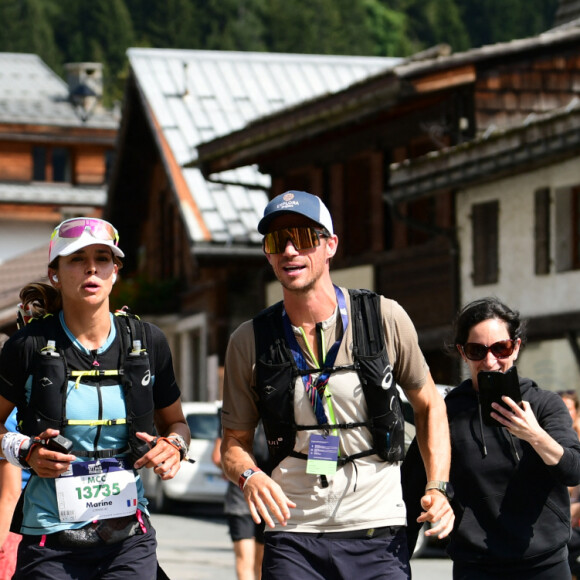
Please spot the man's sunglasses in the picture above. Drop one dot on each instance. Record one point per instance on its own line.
(501, 349)
(76, 227)
(302, 238)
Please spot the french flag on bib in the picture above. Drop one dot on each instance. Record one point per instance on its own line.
(131, 502)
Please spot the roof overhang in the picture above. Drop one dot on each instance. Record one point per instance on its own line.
(412, 78)
(538, 141)
(376, 95)
(52, 134)
(295, 124)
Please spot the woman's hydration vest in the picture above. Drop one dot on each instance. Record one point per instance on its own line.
(47, 405)
(277, 371)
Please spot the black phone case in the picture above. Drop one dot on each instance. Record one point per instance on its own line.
(492, 386)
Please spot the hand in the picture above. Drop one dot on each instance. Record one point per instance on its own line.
(265, 497)
(46, 462)
(519, 421)
(522, 423)
(164, 458)
(439, 512)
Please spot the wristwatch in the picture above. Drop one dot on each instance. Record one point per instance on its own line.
(179, 443)
(442, 486)
(246, 475)
(25, 451)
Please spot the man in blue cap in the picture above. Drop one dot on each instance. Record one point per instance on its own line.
(321, 368)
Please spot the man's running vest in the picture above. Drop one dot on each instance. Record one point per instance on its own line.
(47, 405)
(276, 374)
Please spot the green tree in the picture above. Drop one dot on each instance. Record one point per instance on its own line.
(27, 27)
(387, 30)
(491, 21)
(318, 27)
(434, 22)
(97, 31)
(232, 24)
(169, 24)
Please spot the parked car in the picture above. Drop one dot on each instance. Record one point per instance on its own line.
(200, 482)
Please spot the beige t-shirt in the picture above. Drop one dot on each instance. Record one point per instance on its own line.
(365, 495)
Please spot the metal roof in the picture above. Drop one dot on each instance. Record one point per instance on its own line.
(195, 96)
(31, 93)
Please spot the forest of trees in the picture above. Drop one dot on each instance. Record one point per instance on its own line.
(61, 31)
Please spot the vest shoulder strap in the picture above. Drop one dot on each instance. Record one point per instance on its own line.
(268, 328)
(368, 333)
(366, 318)
(132, 333)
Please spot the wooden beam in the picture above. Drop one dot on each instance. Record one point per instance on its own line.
(444, 79)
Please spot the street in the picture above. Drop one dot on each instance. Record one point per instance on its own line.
(196, 546)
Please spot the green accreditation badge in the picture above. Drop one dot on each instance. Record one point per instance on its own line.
(322, 454)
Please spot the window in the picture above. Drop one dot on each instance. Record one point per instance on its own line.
(39, 163)
(51, 164)
(542, 231)
(567, 232)
(60, 165)
(485, 243)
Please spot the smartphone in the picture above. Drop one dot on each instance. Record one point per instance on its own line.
(60, 444)
(492, 386)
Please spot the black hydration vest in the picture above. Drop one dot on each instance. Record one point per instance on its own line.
(276, 374)
(47, 405)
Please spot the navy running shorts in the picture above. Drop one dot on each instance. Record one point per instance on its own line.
(329, 556)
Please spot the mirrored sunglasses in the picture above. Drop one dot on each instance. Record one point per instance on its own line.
(302, 238)
(76, 227)
(476, 352)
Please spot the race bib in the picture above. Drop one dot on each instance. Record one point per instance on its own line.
(95, 490)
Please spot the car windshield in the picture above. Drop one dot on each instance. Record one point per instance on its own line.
(203, 426)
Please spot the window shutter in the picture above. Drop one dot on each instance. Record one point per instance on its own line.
(485, 243)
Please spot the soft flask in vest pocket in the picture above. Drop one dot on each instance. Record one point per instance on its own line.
(276, 398)
(139, 399)
(385, 412)
(45, 409)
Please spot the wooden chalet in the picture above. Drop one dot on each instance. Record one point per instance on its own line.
(56, 148)
(342, 147)
(194, 263)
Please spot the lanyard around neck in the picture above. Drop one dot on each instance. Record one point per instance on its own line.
(315, 387)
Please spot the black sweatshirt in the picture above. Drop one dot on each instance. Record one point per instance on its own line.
(511, 508)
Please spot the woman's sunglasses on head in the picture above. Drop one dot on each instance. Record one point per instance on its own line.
(476, 352)
(302, 238)
(76, 227)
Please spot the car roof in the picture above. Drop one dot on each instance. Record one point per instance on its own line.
(441, 389)
(200, 407)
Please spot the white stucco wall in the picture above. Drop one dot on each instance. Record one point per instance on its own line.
(550, 363)
(518, 285)
(20, 237)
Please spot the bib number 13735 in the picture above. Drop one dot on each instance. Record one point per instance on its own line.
(93, 490)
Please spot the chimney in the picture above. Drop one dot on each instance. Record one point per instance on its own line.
(85, 85)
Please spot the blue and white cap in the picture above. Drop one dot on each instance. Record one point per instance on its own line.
(299, 202)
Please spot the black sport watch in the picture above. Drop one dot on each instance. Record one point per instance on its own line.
(442, 486)
(179, 443)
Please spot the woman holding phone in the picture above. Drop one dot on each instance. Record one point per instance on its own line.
(90, 387)
(510, 477)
